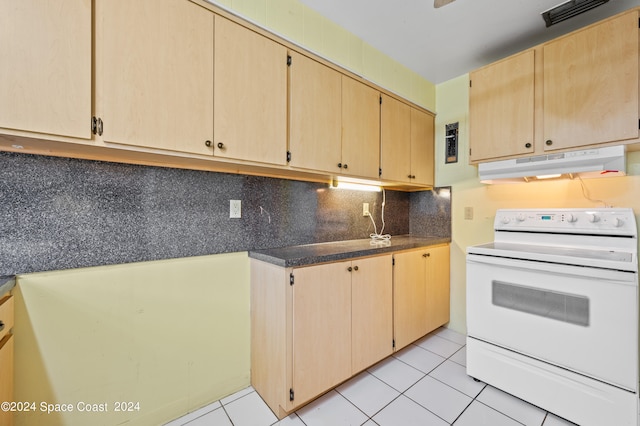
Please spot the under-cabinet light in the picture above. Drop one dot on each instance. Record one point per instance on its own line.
(355, 186)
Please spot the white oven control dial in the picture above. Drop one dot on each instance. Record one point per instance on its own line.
(617, 222)
(505, 219)
(521, 217)
(570, 217)
(593, 218)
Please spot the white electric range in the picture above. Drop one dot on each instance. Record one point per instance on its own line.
(552, 312)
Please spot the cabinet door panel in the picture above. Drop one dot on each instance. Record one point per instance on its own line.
(360, 128)
(422, 147)
(321, 329)
(409, 297)
(155, 73)
(45, 72)
(372, 311)
(314, 115)
(438, 294)
(591, 85)
(395, 142)
(6, 373)
(501, 108)
(250, 114)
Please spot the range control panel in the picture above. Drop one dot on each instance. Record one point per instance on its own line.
(613, 221)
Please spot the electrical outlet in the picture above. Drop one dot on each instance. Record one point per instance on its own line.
(235, 209)
(468, 213)
(365, 209)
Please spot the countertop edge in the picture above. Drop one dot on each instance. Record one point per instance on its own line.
(7, 283)
(408, 243)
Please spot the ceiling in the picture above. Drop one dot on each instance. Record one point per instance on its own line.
(440, 44)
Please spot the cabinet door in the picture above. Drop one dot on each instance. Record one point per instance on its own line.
(422, 146)
(6, 377)
(250, 95)
(501, 108)
(314, 108)
(591, 85)
(360, 129)
(395, 140)
(45, 71)
(372, 311)
(409, 297)
(438, 294)
(321, 329)
(155, 73)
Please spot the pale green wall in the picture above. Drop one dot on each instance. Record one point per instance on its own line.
(172, 335)
(467, 191)
(298, 23)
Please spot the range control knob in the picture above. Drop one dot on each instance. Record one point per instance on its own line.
(570, 217)
(617, 222)
(521, 217)
(505, 220)
(593, 218)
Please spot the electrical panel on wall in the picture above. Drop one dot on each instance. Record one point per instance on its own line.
(451, 138)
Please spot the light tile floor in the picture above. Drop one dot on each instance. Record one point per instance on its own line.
(424, 384)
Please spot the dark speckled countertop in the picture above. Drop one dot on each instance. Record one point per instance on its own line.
(309, 254)
(7, 282)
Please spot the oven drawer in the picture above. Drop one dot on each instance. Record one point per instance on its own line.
(581, 319)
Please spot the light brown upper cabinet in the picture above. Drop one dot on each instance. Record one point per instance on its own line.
(501, 108)
(154, 76)
(250, 95)
(422, 147)
(577, 91)
(45, 71)
(406, 143)
(591, 85)
(360, 129)
(314, 115)
(395, 140)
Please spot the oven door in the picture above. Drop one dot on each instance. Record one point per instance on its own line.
(579, 318)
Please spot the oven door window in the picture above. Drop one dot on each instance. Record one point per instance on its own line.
(570, 308)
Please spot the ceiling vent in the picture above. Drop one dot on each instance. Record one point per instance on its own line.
(569, 9)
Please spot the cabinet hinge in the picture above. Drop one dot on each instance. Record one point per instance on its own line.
(393, 343)
(470, 83)
(380, 172)
(289, 60)
(291, 394)
(288, 156)
(638, 124)
(291, 279)
(97, 126)
(393, 261)
(381, 100)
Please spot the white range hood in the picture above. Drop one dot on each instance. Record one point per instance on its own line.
(588, 163)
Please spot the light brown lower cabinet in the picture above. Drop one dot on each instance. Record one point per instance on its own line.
(6, 357)
(316, 326)
(420, 293)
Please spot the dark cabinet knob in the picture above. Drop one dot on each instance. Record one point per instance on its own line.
(344, 166)
(527, 145)
(355, 268)
(220, 145)
(339, 165)
(549, 142)
(349, 269)
(426, 255)
(207, 143)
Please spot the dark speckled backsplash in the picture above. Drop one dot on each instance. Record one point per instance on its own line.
(59, 213)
